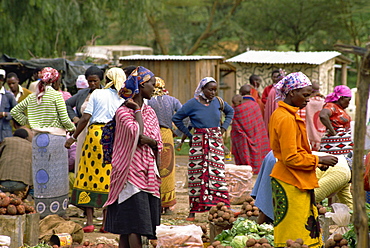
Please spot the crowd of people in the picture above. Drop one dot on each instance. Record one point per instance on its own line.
(297, 141)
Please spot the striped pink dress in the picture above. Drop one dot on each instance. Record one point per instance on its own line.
(131, 162)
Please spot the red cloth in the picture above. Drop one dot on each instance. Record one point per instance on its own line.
(270, 107)
(249, 138)
(256, 96)
(266, 93)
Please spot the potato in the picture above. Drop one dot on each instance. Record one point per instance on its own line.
(204, 228)
(252, 203)
(338, 237)
(256, 212)
(210, 217)
(249, 199)
(263, 240)
(213, 210)
(304, 246)
(220, 205)
(319, 206)
(220, 213)
(11, 209)
(86, 243)
(257, 245)
(329, 243)
(15, 201)
(224, 208)
(216, 243)
(243, 215)
(215, 216)
(295, 245)
(289, 242)
(2, 211)
(21, 209)
(251, 242)
(343, 242)
(299, 241)
(2, 195)
(249, 213)
(226, 216)
(232, 219)
(5, 202)
(322, 210)
(266, 245)
(249, 208)
(255, 208)
(220, 219)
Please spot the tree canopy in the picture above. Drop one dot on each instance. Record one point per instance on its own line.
(51, 28)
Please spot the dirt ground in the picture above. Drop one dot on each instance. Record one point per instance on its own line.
(177, 218)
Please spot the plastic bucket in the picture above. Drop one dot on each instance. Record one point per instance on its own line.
(61, 239)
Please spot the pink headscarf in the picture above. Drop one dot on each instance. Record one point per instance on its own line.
(81, 82)
(292, 81)
(340, 90)
(48, 76)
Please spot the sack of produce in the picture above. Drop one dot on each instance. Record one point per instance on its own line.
(239, 181)
(179, 236)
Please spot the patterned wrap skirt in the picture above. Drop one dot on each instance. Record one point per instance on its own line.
(50, 174)
(296, 215)
(338, 144)
(167, 169)
(206, 170)
(91, 186)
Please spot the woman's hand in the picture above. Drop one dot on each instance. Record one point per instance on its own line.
(328, 160)
(223, 130)
(131, 104)
(331, 132)
(69, 142)
(2, 115)
(145, 140)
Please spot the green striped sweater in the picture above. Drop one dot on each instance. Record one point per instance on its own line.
(51, 112)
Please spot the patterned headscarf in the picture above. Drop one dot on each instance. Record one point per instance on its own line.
(340, 90)
(292, 81)
(118, 77)
(81, 82)
(139, 76)
(199, 91)
(159, 89)
(48, 76)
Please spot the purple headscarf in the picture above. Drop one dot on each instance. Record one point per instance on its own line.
(340, 90)
(199, 91)
(292, 81)
(131, 87)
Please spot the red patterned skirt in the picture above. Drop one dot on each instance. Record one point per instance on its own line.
(206, 170)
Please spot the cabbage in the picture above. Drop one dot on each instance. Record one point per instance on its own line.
(265, 229)
(244, 226)
(239, 241)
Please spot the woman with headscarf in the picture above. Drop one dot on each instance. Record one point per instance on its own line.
(165, 107)
(134, 205)
(206, 169)
(293, 177)
(77, 104)
(91, 186)
(338, 138)
(48, 118)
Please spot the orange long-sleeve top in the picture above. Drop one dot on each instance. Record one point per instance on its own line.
(288, 139)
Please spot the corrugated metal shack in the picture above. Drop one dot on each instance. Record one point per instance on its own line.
(183, 73)
(316, 65)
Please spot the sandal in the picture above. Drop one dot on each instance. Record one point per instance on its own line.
(88, 229)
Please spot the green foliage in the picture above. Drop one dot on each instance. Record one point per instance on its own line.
(350, 235)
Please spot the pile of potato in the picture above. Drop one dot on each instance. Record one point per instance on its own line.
(221, 215)
(298, 243)
(255, 243)
(336, 241)
(321, 209)
(11, 204)
(205, 237)
(249, 209)
(217, 244)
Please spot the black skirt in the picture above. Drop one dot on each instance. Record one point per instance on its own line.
(139, 214)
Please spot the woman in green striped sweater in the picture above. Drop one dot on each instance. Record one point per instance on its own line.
(48, 118)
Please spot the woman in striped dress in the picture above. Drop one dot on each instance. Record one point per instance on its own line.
(133, 205)
(48, 118)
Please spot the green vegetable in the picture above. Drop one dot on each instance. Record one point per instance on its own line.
(239, 241)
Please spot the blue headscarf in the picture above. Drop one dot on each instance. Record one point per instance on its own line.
(131, 87)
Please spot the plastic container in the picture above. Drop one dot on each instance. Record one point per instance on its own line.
(4, 241)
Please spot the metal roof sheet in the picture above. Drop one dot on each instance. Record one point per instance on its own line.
(169, 57)
(275, 57)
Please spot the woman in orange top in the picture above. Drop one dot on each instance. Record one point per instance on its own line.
(293, 176)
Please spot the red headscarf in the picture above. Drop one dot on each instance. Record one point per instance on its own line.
(48, 76)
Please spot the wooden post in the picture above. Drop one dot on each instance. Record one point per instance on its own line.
(363, 81)
(344, 74)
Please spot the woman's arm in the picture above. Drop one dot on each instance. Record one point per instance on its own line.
(325, 119)
(71, 103)
(229, 114)
(178, 118)
(80, 126)
(62, 113)
(18, 112)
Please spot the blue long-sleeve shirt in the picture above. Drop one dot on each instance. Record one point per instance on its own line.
(202, 116)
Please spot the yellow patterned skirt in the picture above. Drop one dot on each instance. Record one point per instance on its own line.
(167, 169)
(91, 186)
(295, 215)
